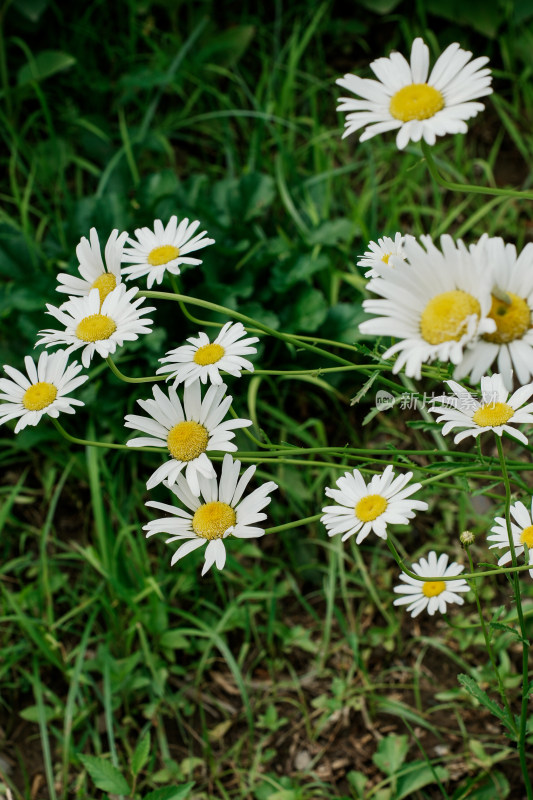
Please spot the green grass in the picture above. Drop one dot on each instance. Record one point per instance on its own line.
(289, 675)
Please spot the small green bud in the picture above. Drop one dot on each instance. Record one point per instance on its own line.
(467, 539)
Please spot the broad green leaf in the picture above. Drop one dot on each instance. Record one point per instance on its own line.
(140, 754)
(291, 271)
(418, 776)
(31, 9)
(391, 753)
(105, 776)
(226, 48)
(170, 792)
(380, 6)
(342, 323)
(477, 14)
(31, 713)
(357, 781)
(309, 311)
(174, 640)
(332, 231)
(45, 64)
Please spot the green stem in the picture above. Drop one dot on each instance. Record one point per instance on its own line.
(120, 375)
(466, 575)
(468, 187)
(285, 337)
(473, 585)
(186, 313)
(112, 445)
(296, 524)
(521, 624)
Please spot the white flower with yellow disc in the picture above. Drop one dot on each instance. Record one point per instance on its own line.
(98, 328)
(202, 359)
(494, 411)
(405, 98)
(162, 250)
(218, 512)
(521, 531)
(432, 596)
(96, 273)
(434, 303)
(43, 391)
(189, 432)
(385, 251)
(361, 507)
(511, 344)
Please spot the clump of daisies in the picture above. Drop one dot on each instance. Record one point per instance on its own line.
(509, 277)
(434, 303)
(405, 99)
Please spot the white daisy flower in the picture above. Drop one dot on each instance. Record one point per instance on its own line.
(361, 508)
(95, 273)
(43, 391)
(384, 251)
(431, 595)
(98, 328)
(434, 303)
(492, 412)
(522, 532)
(163, 249)
(404, 97)
(511, 344)
(217, 514)
(202, 359)
(189, 433)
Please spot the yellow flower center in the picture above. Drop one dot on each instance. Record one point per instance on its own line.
(208, 354)
(187, 440)
(444, 319)
(212, 520)
(370, 507)
(162, 255)
(416, 101)
(95, 327)
(386, 257)
(39, 396)
(105, 283)
(493, 414)
(433, 588)
(526, 537)
(512, 318)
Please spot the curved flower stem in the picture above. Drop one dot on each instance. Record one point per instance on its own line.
(285, 337)
(186, 313)
(112, 445)
(473, 585)
(148, 379)
(295, 524)
(317, 372)
(521, 624)
(468, 187)
(465, 575)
